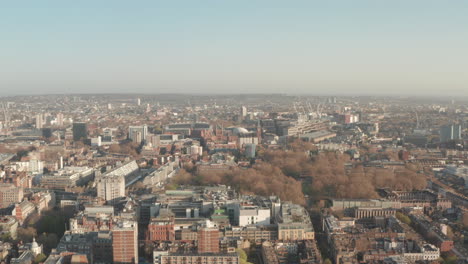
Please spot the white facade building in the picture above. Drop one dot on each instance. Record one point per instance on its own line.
(252, 215)
(96, 141)
(137, 133)
(33, 166)
(110, 187)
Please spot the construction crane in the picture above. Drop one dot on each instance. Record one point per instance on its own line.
(5, 115)
(190, 105)
(303, 108)
(417, 119)
(295, 107)
(319, 110)
(309, 107)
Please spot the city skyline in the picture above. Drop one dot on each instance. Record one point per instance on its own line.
(362, 48)
(233, 179)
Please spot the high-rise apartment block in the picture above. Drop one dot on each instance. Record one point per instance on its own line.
(208, 240)
(39, 121)
(450, 132)
(138, 134)
(80, 131)
(59, 119)
(110, 187)
(125, 242)
(243, 111)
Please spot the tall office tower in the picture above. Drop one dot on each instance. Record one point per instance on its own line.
(243, 111)
(138, 133)
(80, 131)
(59, 119)
(148, 108)
(138, 101)
(450, 132)
(208, 240)
(110, 187)
(39, 121)
(109, 106)
(125, 242)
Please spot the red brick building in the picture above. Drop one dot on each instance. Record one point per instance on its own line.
(161, 229)
(23, 210)
(125, 243)
(208, 240)
(445, 245)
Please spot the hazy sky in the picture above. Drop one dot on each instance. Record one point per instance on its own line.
(234, 46)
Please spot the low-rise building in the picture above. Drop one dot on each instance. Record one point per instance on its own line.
(248, 214)
(198, 258)
(161, 228)
(290, 252)
(43, 200)
(8, 226)
(5, 249)
(26, 257)
(252, 233)
(23, 210)
(10, 194)
(294, 223)
(67, 177)
(318, 136)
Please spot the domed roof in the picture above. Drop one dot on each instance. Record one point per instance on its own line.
(239, 131)
(34, 243)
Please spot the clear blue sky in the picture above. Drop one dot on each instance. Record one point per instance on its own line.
(234, 46)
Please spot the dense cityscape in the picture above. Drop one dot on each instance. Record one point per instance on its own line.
(228, 179)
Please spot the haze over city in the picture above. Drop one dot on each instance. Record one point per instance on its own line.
(234, 132)
(304, 47)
